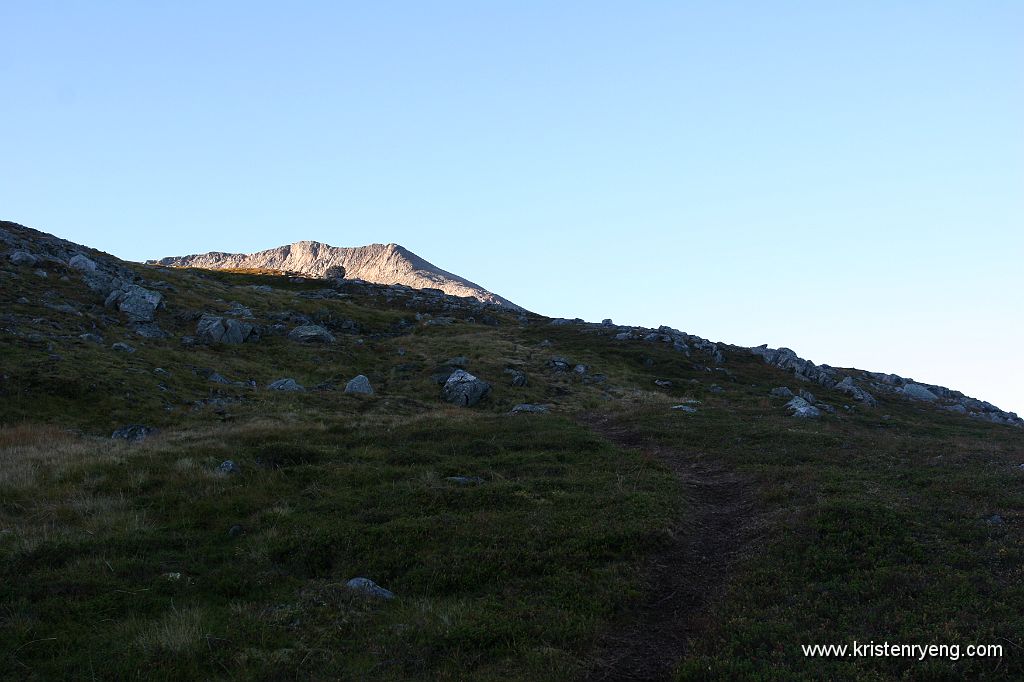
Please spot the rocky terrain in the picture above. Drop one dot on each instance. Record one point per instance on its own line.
(256, 471)
(376, 263)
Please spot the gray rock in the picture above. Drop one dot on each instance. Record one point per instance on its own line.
(849, 388)
(918, 392)
(80, 262)
(559, 364)
(465, 480)
(239, 310)
(148, 330)
(958, 408)
(311, 333)
(581, 370)
(464, 389)
(359, 385)
(808, 396)
(663, 383)
(41, 273)
(529, 408)
(23, 258)
(123, 347)
(519, 377)
(91, 338)
(607, 322)
(685, 408)
(218, 378)
(285, 385)
(799, 407)
(623, 336)
(214, 329)
(235, 531)
(995, 520)
(133, 433)
(138, 303)
(715, 388)
(368, 588)
(782, 392)
(228, 467)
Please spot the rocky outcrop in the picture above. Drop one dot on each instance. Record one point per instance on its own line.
(798, 407)
(884, 384)
(359, 385)
(311, 333)
(216, 329)
(464, 389)
(376, 263)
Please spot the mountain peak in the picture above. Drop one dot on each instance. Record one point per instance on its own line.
(378, 263)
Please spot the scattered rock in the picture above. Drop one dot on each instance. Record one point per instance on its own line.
(995, 520)
(464, 389)
(799, 407)
(559, 364)
(849, 388)
(214, 329)
(715, 388)
(369, 588)
(228, 467)
(519, 377)
(685, 408)
(581, 370)
(285, 385)
(123, 347)
(138, 303)
(311, 333)
(918, 392)
(359, 385)
(80, 262)
(808, 396)
(465, 480)
(91, 338)
(663, 383)
(782, 392)
(527, 407)
(23, 258)
(134, 433)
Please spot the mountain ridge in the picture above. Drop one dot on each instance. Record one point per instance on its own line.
(376, 263)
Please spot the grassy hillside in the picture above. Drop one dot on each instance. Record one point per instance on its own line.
(611, 536)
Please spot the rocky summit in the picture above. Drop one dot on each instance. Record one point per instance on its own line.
(271, 467)
(375, 263)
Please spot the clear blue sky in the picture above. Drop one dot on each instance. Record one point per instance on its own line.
(846, 179)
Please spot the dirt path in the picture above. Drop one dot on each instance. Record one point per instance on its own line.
(719, 525)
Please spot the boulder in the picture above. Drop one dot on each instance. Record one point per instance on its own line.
(311, 333)
(133, 433)
(559, 364)
(663, 383)
(799, 407)
(214, 329)
(228, 467)
(80, 262)
(918, 392)
(122, 347)
(687, 409)
(532, 409)
(782, 392)
(23, 258)
(359, 385)
(285, 385)
(808, 396)
(368, 588)
(138, 303)
(849, 388)
(519, 377)
(464, 389)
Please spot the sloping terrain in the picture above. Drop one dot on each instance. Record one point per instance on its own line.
(376, 263)
(657, 511)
